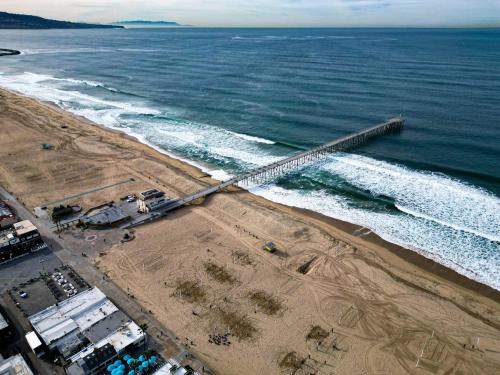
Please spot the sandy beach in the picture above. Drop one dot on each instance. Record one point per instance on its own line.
(330, 301)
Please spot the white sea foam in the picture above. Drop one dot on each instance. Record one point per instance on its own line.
(45, 87)
(253, 138)
(430, 196)
(217, 142)
(34, 78)
(38, 51)
(220, 174)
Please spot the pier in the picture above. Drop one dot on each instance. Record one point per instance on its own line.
(280, 167)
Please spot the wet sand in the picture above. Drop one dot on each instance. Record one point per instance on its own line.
(329, 301)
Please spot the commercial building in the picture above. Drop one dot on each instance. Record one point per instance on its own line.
(21, 239)
(151, 199)
(93, 363)
(15, 365)
(5, 329)
(35, 343)
(104, 216)
(172, 367)
(79, 326)
(7, 216)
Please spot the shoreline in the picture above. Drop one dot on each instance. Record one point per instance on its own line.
(373, 299)
(408, 256)
(392, 250)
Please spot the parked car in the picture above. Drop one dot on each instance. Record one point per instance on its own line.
(23, 294)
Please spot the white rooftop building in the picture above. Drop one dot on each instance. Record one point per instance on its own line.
(15, 365)
(85, 320)
(172, 367)
(35, 343)
(150, 200)
(76, 313)
(24, 227)
(129, 334)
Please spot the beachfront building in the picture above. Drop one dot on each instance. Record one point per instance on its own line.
(7, 216)
(5, 329)
(172, 367)
(94, 362)
(15, 365)
(23, 238)
(84, 324)
(151, 199)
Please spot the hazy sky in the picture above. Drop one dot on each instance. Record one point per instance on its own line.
(270, 12)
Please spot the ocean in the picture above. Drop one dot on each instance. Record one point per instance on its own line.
(228, 100)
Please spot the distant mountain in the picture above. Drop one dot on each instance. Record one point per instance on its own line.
(23, 21)
(147, 23)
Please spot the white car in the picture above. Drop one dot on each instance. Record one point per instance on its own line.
(23, 294)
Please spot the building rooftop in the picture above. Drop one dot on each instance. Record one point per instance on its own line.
(125, 335)
(106, 216)
(79, 312)
(24, 227)
(150, 194)
(33, 340)
(105, 326)
(91, 361)
(87, 320)
(15, 365)
(3, 322)
(8, 236)
(166, 369)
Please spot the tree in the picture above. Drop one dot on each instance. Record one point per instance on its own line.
(144, 328)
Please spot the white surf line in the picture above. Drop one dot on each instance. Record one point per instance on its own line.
(447, 224)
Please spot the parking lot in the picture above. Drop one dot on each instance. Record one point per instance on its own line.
(40, 292)
(27, 267)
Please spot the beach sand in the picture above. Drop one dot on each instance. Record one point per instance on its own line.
(328, 302)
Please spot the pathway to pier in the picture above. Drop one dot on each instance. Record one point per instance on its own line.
(280, 167)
